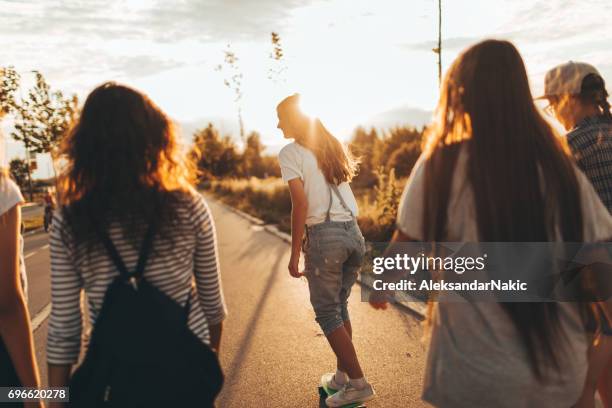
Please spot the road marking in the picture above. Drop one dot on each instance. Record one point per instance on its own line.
(35, 252)
(41, 317)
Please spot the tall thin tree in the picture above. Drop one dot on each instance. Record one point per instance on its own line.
(233, 80)
(276, 72)
(438, 49)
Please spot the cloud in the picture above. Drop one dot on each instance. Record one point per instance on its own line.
(534, 22)
(82, 43)
(220, 20)
(164, 21)
(333, 47)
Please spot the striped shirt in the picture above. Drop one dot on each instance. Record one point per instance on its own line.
(591, 145)
(171, 267)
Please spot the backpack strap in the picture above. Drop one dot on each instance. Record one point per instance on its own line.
(143, 255)
(145, 249)
(114, 255)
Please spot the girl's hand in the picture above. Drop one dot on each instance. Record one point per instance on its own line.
(294, 266)
(378, 301)
(379, 305)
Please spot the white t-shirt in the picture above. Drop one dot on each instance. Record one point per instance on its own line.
(10, 196)
(297, 161)
(476, 357)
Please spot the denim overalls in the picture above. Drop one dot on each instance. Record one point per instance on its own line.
(333, 252)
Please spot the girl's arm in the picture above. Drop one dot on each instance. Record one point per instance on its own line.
(379, 299)
(208, 274)
(15, 327)
(65, 322)
(299, 207)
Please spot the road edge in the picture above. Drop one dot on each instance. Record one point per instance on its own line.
(410, 307)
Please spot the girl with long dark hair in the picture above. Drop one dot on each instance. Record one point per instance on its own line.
(125, 170)
(318, 171)
(494, 171)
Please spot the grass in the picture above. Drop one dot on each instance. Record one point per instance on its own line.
(269, 200)
(32, 223)
(266, 199)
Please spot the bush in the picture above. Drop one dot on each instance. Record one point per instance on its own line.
(404, 158)
(270, 201)
(377, 219)
(267, 199)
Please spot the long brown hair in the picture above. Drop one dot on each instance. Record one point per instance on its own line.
(487, 108)
(336, 162)
(124, 164)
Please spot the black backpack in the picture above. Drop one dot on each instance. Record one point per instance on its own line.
(141, 352)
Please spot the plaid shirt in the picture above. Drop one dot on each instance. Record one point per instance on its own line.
(591, 144)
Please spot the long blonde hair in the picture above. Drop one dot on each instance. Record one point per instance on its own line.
(337, 163)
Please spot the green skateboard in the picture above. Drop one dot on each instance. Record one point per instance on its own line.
(325, 391)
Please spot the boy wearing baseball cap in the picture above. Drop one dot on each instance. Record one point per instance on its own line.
(577, 97)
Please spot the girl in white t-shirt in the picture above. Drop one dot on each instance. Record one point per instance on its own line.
(318, 170)
(18, 366)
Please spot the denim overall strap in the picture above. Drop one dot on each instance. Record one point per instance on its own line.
(327, 216)
(334, 188)
(337, 191)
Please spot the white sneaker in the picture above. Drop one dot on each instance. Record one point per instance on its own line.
(349, 395)
(329, 381)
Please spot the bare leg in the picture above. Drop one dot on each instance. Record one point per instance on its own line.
(342, 345)
(349, 330)
(600, 363)
(604, 385)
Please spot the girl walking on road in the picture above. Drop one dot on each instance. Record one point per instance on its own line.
(18, 366)
(318, 171)
(494, 171)
(578, 98)
(126, 172)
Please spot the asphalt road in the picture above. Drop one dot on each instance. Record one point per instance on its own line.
(273, 352)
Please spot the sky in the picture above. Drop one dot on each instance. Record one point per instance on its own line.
(355, 62)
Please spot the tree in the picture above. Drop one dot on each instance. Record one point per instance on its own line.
(277, 70)
(42, 120)
(24, 132)
(438, 49)
(403, 159)
(252, 163)
(50, 115)
(395, 138)
(233, 80)
(9, 84)
(19, 172)
(365, 145)
(270, 166)
(215, 156)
